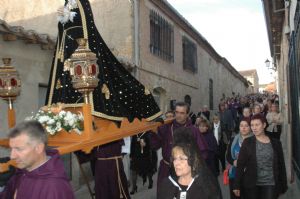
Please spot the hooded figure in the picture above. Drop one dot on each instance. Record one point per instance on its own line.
(118, 94)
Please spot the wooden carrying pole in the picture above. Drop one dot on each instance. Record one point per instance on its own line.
(103, 131)
(11, 115)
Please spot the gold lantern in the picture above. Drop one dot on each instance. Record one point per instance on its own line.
(10, 83)
(83, 69)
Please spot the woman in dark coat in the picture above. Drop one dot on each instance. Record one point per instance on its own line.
(260, 169)
(191, 178)
(143, 159)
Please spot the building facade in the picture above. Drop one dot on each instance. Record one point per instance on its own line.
(283, 26)
(251, 76)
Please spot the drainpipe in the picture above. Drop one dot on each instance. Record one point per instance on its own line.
(136, 38)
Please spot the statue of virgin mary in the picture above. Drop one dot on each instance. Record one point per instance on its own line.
(118, 95)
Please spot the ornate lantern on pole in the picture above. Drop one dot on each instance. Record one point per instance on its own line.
(83, 69)
(10, 87)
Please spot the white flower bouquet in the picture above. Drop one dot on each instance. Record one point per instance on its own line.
(54, 119)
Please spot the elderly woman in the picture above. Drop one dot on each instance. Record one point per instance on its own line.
(191, 179)
(260, 169)
(274, 120)
(234, 150)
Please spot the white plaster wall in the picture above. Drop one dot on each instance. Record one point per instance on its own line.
(32, 14)
(113, 19)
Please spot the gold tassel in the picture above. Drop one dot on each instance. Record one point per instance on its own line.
(147, 92)
(58, 84)
(105, 91)
(67, 65)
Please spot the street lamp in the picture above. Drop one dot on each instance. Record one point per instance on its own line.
(268, 65)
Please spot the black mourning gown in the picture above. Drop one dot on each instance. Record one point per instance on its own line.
(128, 97)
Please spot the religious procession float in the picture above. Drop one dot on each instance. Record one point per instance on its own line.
(91, 99)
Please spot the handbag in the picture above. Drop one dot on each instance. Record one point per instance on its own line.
(226, 176)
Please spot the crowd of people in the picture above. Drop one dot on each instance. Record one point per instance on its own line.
(243, 136)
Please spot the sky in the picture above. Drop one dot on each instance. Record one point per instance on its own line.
(235, 28)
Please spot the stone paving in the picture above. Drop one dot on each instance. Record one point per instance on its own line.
(143, 192)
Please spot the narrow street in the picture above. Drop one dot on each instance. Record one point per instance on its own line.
(144, 193)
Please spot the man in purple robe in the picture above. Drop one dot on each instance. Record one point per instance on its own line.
(110, 178)
(164, 138)
(40, 173)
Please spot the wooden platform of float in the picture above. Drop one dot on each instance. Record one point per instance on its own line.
(97, 131)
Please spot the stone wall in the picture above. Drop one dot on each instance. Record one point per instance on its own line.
(170, 77)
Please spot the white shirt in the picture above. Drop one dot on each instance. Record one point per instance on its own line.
(216, 131)
(126, 147)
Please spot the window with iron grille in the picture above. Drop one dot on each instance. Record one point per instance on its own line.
(161, 37)
(189, 55)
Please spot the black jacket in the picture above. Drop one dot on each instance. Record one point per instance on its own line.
(205, 186)
(246, 172)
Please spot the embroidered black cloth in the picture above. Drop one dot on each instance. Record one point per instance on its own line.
(127, 96)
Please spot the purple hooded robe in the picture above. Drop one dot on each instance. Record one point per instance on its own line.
(49, 181)
(164, 139)
(110, 178)
(212, 151)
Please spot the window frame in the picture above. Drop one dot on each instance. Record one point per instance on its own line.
(161, 37)
(189, 55)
